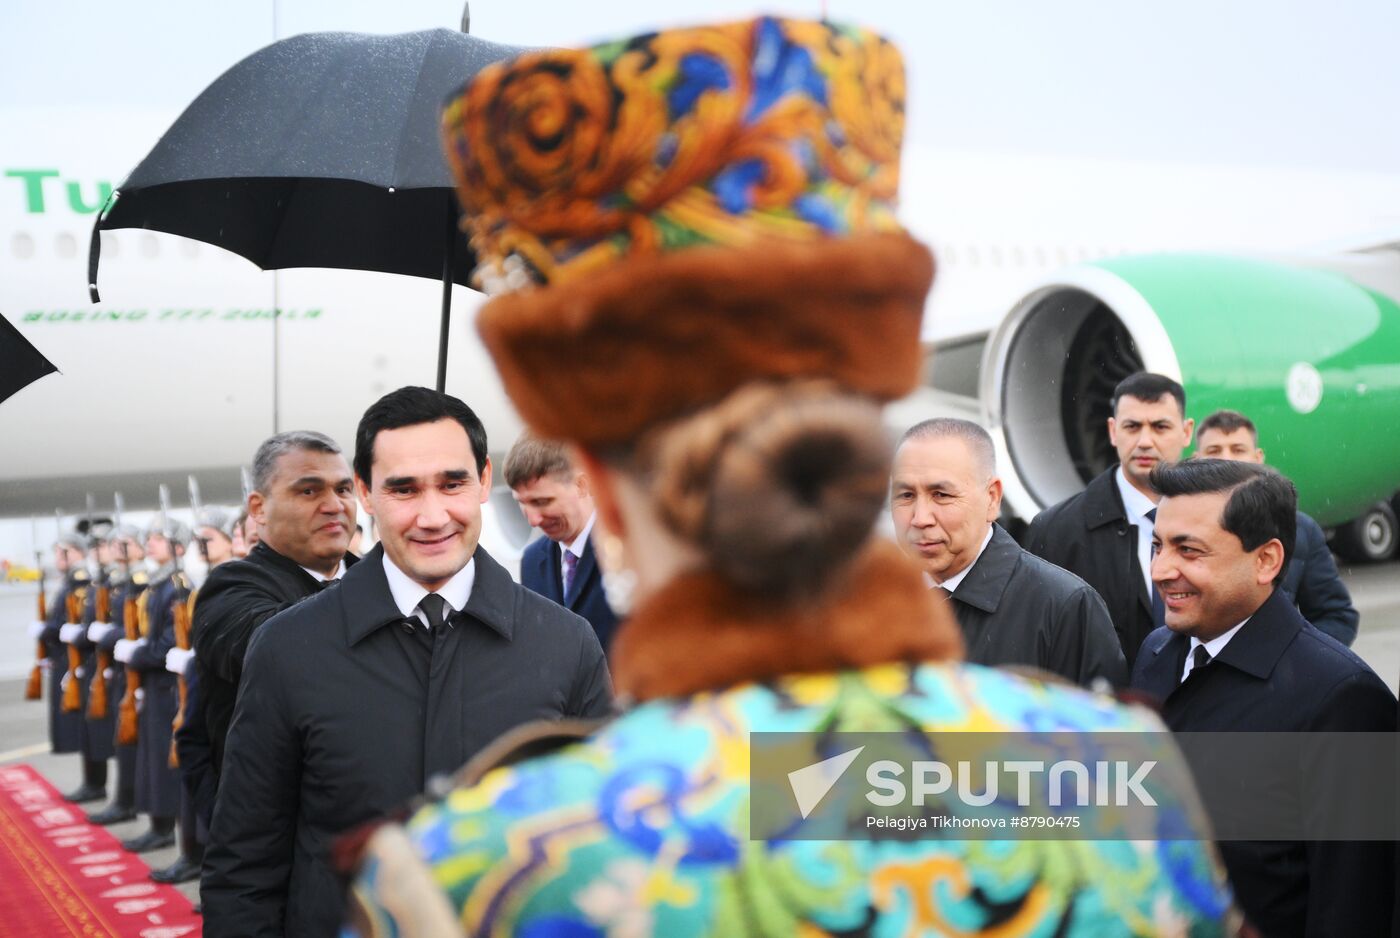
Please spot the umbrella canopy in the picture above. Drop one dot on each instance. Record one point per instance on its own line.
(321, 150)
(20, 362)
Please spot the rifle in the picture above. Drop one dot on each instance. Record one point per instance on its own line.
(73, 689)
(34, 690)
(136, 621)
(97, 691)
(184, 618)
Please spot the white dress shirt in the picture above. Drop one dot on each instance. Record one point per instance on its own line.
(578, 544)
(322, 578)
(1213, 647)
(408, 593)
(1137, 505)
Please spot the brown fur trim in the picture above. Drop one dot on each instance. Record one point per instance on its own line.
(599, 360)
(699, 633)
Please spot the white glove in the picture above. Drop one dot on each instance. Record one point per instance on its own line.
(100, 630)
(126, 647)
(177, 658)
(36, 628)
(70, 633)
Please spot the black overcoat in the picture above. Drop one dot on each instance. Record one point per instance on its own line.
(65, 729)
(1016, 609)
(1279, 674)
(1089, 535)
(239, 596)
(1315, 586)
(98, 735)
(157, 784)
(337, 722)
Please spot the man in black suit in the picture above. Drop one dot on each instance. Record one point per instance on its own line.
(352, 700)
(1311, 580)
(1104, 534)
(303, 502)
(1236, 656)
(1012, 607)
(562, 565)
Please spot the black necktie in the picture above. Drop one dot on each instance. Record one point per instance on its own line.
(434, 607)
(1201, 658)
(1159, 608)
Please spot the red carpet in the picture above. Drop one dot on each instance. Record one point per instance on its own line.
(61, 876)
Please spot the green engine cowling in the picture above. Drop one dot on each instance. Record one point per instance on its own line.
(1308, 350)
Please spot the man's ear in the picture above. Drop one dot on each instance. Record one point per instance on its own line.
(600, 482)
(1113, 431)
(1190, 427)
(581, 480)
(486, 481)
(1269, 561)
(362, 492)
(256, 506)
(994, 506)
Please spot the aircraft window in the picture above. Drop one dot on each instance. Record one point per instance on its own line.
(1018, 256)
(111, 244)
(1040, 257)
(1062, 255)
(1083, 253)
(150, 247)
(994, 255)
(22, 246)
(974, 257)
(66, 246)
(948, 254)
(189, 249)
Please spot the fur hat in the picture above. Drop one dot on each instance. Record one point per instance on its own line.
(682, 212)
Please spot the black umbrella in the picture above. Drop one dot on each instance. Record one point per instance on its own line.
(321, 150)
(20, 362)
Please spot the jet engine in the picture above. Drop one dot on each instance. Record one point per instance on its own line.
(1309, 348)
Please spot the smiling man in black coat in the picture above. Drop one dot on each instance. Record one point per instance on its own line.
(1236, 656)
(354, 699)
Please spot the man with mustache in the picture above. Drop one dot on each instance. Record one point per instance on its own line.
(1013, 608)
(353, 700)
(1104, 533)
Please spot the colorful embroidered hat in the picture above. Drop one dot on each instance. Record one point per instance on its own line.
(682, 212)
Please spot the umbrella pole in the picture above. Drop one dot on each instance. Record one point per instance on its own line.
(444, 329)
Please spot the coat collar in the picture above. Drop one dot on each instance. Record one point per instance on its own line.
(1102, 502)
(368, 605)
(264, 555)
(1255, 649)
(699, 632)
(989, 575)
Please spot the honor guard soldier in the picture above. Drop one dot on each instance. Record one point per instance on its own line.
(95, 737)
(128, 580)
(213, 535)
(157, 782)
(65, 725)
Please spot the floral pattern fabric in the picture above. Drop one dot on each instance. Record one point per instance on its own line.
(568, 160)
(643, 830)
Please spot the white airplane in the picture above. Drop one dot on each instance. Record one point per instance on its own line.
(194, 355)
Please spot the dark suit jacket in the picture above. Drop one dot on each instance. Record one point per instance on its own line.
(1089, 535)
(1015, 608)
(1313, 583)
(239, 596)
(541, 571)
(1279, 674)
(338, 723)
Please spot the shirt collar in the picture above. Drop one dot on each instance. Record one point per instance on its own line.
(952, 582)
(322, 578)
(580, 542)
(1135, 503)
(408, 593)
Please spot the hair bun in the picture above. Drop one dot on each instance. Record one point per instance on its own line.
(777, 484)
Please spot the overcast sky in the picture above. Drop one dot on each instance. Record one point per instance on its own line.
(1275, 82)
